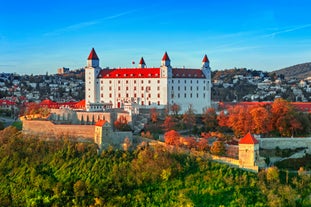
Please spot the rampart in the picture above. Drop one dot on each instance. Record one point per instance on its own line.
(39, 127)
(285, 143)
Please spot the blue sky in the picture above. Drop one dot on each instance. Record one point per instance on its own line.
(39, 36)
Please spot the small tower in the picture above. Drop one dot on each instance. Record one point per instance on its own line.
(93, 60)
(142, 63)
(166, 60)
(205, 63)
(102, 133)
(166, 69)
(248, 152)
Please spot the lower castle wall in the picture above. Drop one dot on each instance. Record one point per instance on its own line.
(284, 143)
(48, 128)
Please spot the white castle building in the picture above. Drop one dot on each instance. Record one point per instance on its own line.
(145, 87)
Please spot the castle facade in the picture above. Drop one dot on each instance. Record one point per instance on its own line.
(145, 87)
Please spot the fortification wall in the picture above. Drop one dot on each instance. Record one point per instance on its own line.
(48, 128)
(284, 143)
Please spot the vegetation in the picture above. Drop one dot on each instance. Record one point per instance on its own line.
(34, 172)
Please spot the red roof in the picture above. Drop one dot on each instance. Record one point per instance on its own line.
(93, 55)
(6, 102)
(80, 104)
(248, 139)
(142, 61)
(100, 123)
(205, 59)
(149, 73)
(165, 56)
(187, 73)
(130, 73)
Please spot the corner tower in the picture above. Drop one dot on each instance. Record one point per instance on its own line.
(166, 69)
(91, 83)
(248, 152)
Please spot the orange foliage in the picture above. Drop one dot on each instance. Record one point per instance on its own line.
(172, 137)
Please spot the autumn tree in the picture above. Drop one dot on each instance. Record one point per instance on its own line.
(210, 119)
(153, 115)
(172, 137)
(240, 120)
(188, 118)
(218, 148)
(261, 120)
(122, 124)
(169, 123)
(203, 145)
(175, 108)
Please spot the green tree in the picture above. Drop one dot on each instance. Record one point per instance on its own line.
(218, 148)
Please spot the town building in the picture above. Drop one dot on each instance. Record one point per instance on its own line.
(145, 87)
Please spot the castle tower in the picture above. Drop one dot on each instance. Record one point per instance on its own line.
(142, 63)
(102, 133)
(91, 84)
(166, 69)
(248, 152)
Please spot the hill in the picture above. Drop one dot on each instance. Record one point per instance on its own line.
(299, 71)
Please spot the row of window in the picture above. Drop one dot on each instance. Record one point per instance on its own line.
(148, 88)
(185, 95)
(127, 81)
(185, 88)
(191, 81)
(127, 95)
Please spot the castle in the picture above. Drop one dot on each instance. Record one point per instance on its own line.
(143, 87)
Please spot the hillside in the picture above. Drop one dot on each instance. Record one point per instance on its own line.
(299, 71)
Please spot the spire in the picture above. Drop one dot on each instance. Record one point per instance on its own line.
(142, 63)
(205, 59)
(93, 55)
(165, 57)
(165, 60)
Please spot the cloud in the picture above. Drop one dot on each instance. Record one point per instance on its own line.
(287, 30)
(82, 25)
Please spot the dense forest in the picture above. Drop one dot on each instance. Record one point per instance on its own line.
(34, 172)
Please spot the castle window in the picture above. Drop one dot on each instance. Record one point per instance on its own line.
(142, 81)
(110, 82)
(178, 95)
(178, 81)
(197, 95)
(101, 88)
(197, 88)
(127, 82)
(190, 95)
(178, 88)
(124, 75)
(135, 95)
(142, 88)
(119, 95)
(110, 95)
(134, 88)
(158, 95)
(149, 103)
(159, 103)
(118, 81)
(159, 81)
(190, 81)
(142, 103)
(172, 95)
(185, 81)
(110, 88)
(119, 88)
(158, 88)
(149, 95)
(203, 95)
(102, 95)
(127, 87)
(197, 81)
(204, 82)
(190, 88)
(101, 82)
(204, 88)
(127, 95)
(142, 95)
(172, 88)
(185, 88)
(172, 81)
(135, 81)
(185, 95)
(149, 81)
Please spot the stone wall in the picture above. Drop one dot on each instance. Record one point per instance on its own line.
(284, 143)
(48, 128)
